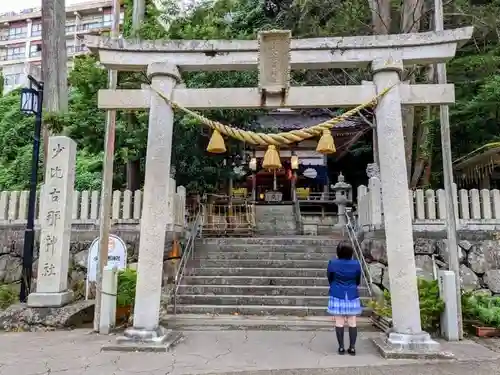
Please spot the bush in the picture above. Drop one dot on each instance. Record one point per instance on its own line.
(127, 280)
(8, 296)
(431, 305)
(481, 308)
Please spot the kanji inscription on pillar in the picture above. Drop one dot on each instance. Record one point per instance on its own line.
(55, 219)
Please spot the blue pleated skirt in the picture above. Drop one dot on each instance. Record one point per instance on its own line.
(339, 306)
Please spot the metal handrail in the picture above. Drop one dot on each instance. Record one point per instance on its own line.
(365, 272)
(187, 254)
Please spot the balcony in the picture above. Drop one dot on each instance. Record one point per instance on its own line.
(73, 50)
(17, 36)
(94, 26)
(14, 56)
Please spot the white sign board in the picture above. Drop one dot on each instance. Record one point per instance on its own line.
(117, 256)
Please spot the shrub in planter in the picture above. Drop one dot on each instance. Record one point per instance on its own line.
(482, 309)
(125, 295)
(431, 305)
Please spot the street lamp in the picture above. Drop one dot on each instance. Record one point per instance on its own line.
(31, 103)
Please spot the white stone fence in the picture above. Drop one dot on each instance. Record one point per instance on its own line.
(126, 206)
(428, 207)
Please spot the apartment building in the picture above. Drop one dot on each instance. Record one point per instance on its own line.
(21, 38)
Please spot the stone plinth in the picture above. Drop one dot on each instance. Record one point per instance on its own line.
(56, 206)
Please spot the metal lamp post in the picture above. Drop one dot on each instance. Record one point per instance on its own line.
(31, 103)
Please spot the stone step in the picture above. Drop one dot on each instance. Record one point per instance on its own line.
(202, 299)
(262, 255)
(255, 280)
(259, 290)
(250, 248)
(262, 263)
(297, 311)
(256, 271)
(204, 322)
(272, 240)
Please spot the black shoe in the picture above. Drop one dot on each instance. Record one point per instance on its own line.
(351, 351)
(341, 351)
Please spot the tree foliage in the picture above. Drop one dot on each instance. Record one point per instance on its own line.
(475, 72)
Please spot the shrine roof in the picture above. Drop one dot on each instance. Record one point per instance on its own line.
(290, 120)
(483, 155)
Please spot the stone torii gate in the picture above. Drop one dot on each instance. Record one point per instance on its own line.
(274, 55)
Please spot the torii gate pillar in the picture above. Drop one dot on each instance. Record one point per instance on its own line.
(407, 332)
(146, 333)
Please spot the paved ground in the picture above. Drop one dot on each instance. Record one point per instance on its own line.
(225, 352)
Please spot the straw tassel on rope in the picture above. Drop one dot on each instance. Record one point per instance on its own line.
(216, 144)
(326, 144)
(272, 159)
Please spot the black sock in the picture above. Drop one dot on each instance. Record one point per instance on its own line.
(340, 336)
(353, 335)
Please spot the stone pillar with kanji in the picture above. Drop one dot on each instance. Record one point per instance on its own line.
(55, 225)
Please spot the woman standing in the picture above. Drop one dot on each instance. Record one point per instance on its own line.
(344, 277)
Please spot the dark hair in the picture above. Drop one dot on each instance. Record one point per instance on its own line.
(344, 250)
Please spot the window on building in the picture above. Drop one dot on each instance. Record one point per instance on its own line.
(70, 28)
(35, 50)
(16, 53)
(18, 32)
(12, 79)
(36, 29)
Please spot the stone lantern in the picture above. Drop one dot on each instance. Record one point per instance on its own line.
(343, 196)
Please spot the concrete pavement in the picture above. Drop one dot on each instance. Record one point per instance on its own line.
(211, 352)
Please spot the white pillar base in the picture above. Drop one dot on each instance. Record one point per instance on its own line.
(145, 340)
(400, 346)
(60, 299)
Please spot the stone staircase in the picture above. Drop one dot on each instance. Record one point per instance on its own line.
(275, 220)
(277, 282)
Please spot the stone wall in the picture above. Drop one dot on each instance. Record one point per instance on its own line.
(12, 242)
(479, 258)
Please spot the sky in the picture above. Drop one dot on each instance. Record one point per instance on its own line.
(9, 6)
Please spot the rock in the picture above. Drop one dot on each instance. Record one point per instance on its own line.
(468, 278)
(482, 292)
(20, 317)
(424, 266)
(378, 251)
(365, 249)
(491, 250)
(385, 280)
(492, 280)
(376, 271)
(423, 246)
(465, 245)
(10, 269)
(81, 259)
(477, 260)
(444, 253)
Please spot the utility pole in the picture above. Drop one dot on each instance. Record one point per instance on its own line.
(138, 15)
(107, 178)
(451, 220)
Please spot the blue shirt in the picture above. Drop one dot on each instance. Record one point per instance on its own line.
(344, 277)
